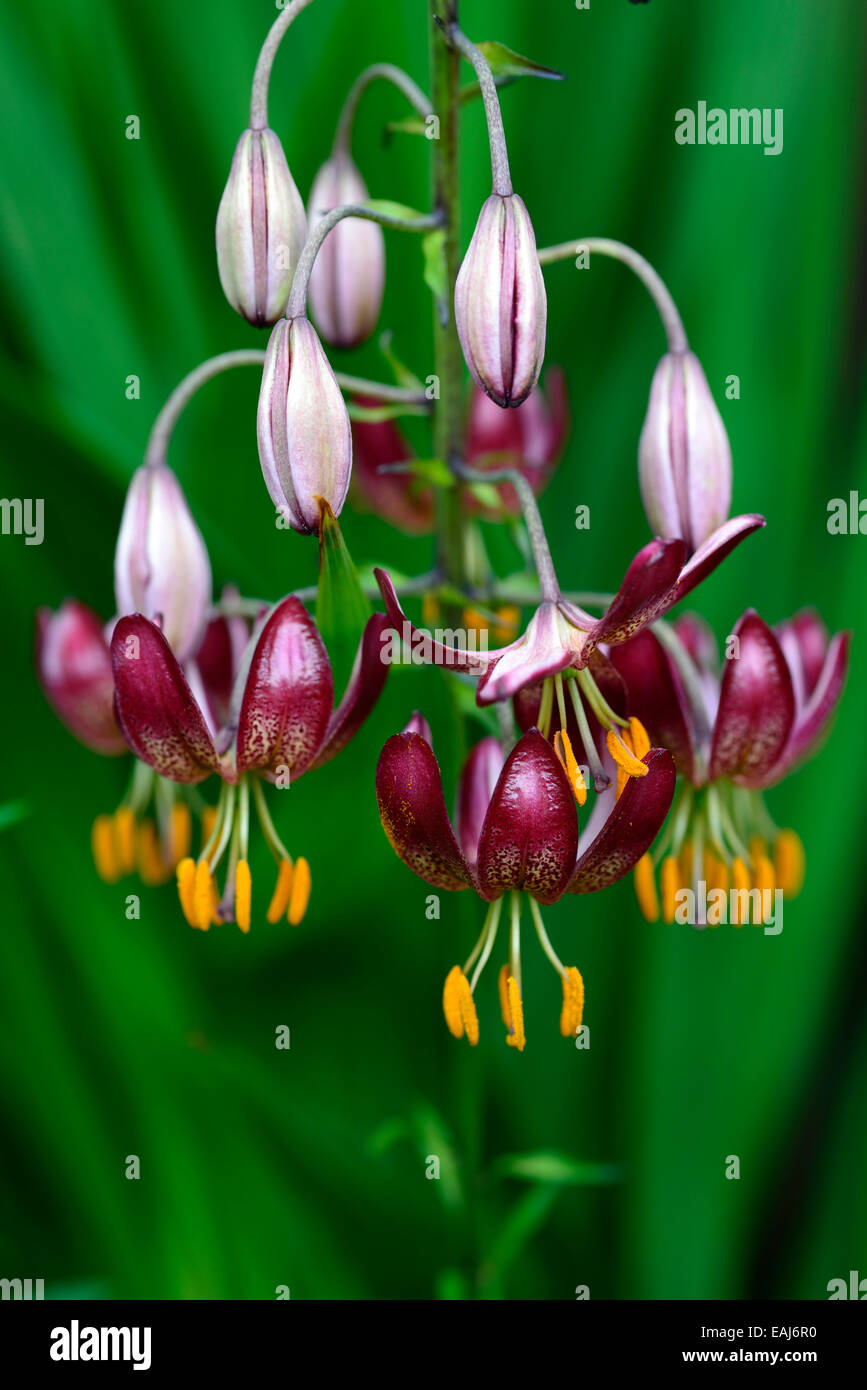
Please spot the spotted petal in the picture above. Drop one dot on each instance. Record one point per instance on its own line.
(155, 708)
(657, 696)
(363, 689)
(714, 550)
(644, 594)
(630, 829)
(756, 706)
(288, 695)
(530, 835)
(409, 793)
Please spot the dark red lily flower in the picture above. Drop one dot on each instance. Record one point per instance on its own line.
(529, 438)
(281, 724)
(732, 735)
(517, 833)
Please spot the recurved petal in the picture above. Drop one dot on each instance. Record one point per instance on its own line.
(479, 777)
(409, 793)
(813, 721)
(154, 705)
(550, 644)
(363, 689)
(756, 706)
(630, 829)
(714, 550)
(437, 653)
(644, 594)
(530, 834)
(657, 697)
(74, 670)
(288, 695)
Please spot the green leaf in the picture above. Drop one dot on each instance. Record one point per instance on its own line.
(373, 414)
(504, 62)
(435, 270)
(402, 374)
(12, 812)
(399, 211)
(433, 471)
(552, 1167)
(413, 125)
(341, 606)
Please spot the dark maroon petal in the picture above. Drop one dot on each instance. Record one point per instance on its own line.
(644, 593)
(440, 654)
(479, 777)
(74, 669)
(288, 695)
(409, 793)
(756, 705)
(804, 639)
(363, 689)
(400, 498)
(630, 829)
(717, 546)
(657, 696)
(530, 836)
(813, 721)
(155, 707)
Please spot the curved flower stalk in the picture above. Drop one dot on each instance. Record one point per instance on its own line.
(733, 735)
(281, 724)
(517, 835)
(348, 280)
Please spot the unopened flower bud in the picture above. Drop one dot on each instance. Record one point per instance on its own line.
(74, 670)
(261, 229)
(348, 278)
(305, 440)
(684, 456)
(500, 303)
(161, 565)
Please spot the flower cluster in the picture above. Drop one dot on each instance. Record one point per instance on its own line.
(598, 700)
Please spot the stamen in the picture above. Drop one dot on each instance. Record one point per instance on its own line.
(124, 827)
(645, 889)
(203, 896)
(243, 894)
(282, 892)
(620, 748)
(458, 1007)
(669, 882)
(741, 884)
(209, 820)
(546, 707)
(300, 895)
(186, 872)
(151, 865)
(601, 780)
(758, 847)
(569, 763)
(639, 737)
(789, 863)
(180, 832)
(503, 988)
(573, 1002)
(104, 850)
(516, 1037)
(492, 921)
(765, 881)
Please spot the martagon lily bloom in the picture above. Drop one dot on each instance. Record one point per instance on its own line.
(517, 834)
(280, 725)
(732, 737)
(562, 637)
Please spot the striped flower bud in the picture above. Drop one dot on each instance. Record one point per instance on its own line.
(261, 229)
(684, 456)
(500, 302)
(161, 565)
(305, 441)
(348, 278)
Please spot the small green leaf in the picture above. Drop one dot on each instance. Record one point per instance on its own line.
(504, 62)
(12, 812)
(373, 414)
(402, 374)
(431, 470)
(399, 211)
(556, 1168)
(341, 607)
(435, 271)
(487, 494)
(411, 126)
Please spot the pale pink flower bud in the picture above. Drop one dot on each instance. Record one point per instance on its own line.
(261, 229)
(161, 565)
(305, 440)
(684, 456)
(348, 278)
(500, 302)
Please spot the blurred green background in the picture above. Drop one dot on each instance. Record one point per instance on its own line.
(306, 1167)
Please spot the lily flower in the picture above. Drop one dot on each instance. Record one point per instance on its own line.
(732, 736)
(151, 830)
(517, 835)
(280, 725)
(561, 637)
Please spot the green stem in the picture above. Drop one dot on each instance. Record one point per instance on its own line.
(389, 73)
(368, 212)
(262, 75)
(161, 433)
(448, 423)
